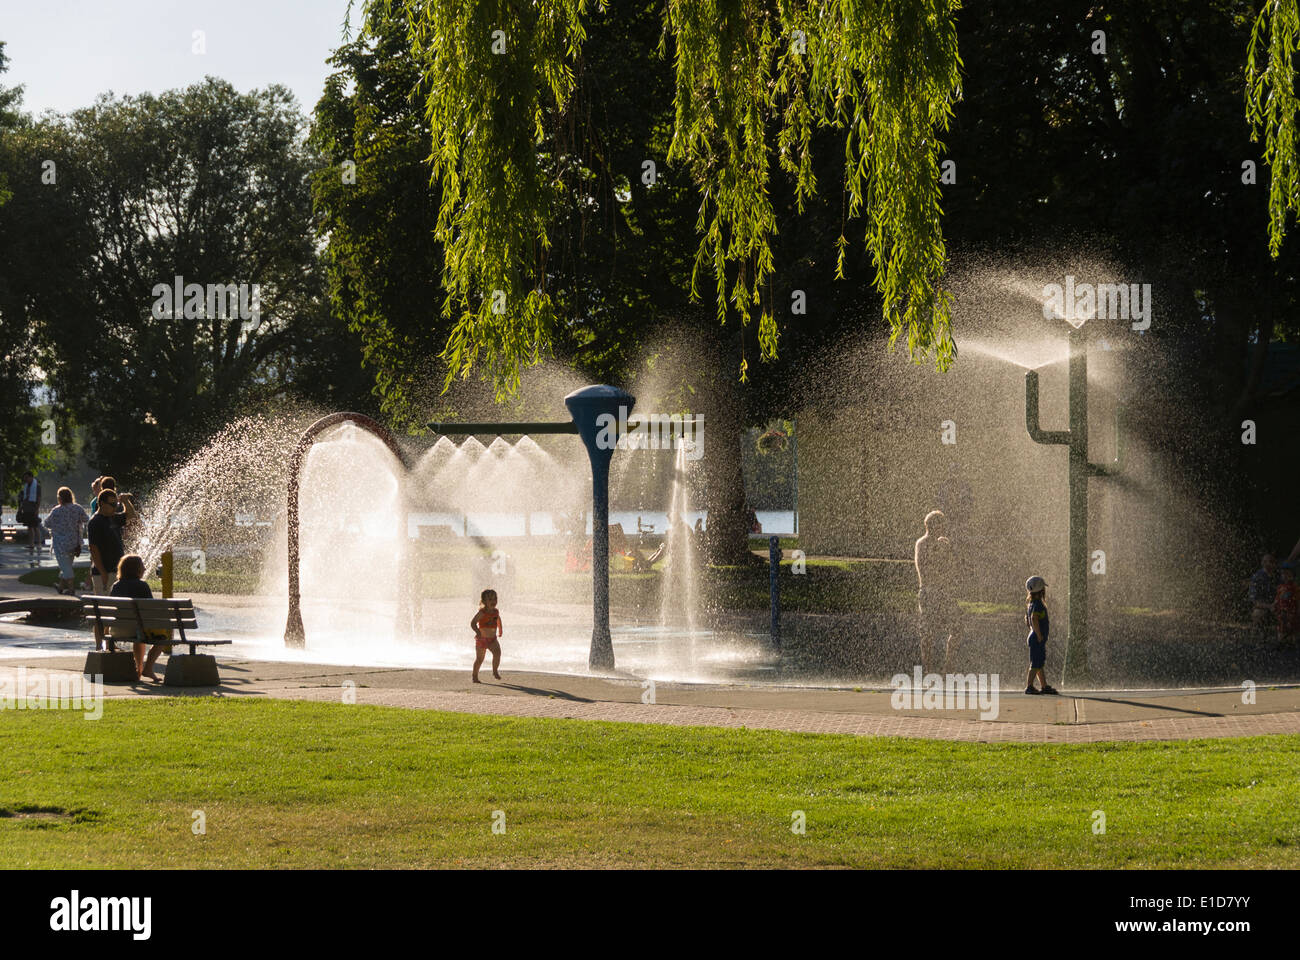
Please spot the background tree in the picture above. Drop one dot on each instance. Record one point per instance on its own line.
(204, 183)
(1137, 155)
(1271, 106)
(376, 212)
(618, 269)
(20, 441)
(500, 81)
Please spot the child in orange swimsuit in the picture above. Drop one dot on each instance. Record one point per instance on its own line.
(487, 627)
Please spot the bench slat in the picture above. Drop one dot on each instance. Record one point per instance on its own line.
(149, 620)
(156, 614)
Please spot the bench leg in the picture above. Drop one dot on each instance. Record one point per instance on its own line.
(113, 667)
(191, 670)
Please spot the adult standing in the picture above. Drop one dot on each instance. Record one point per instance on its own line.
(29, 511)
(936, 601)
(92, 577)
(103, 579)
(66, 524)
(106, 548)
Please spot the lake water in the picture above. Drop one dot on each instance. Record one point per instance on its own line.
(507, 524)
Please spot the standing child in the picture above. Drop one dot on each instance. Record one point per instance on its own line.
(1284, 606)
(487, 627)
(1037, 621)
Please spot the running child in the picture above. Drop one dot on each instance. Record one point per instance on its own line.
(1037, 621)
(487, 627)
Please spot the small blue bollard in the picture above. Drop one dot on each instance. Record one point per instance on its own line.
(774, 579)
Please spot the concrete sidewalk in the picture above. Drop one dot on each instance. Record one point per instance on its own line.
(1082, 718)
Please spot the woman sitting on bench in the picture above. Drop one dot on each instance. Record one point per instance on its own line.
(130, 583)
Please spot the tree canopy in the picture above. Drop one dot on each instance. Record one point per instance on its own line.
(19, 433)
(118, 200)
(1271, 106)
(499, 81)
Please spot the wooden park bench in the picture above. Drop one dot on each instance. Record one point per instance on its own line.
(135, 620)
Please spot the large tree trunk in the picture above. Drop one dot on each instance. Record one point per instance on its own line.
(727, 535)
(726, 539)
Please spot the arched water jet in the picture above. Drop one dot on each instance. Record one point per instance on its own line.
(294, 632)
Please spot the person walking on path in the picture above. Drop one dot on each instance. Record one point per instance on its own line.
(67, 523)
(29, 512)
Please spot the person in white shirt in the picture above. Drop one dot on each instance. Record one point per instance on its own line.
(67, 524)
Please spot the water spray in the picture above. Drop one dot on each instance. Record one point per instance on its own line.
(586, 407)
(1076, 438)
(294, 634)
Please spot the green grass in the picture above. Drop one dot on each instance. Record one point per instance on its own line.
(285, 784)
(985, 608)
(48, 576)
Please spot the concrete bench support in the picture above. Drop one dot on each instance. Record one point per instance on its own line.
(191, 670)
(113, 667)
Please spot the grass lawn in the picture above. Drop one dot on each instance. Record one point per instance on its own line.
(285, 784)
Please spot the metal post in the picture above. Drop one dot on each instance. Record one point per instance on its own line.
(168, 562)
(1076, 438)
(294, 633)
(774, 586)
(596, 413)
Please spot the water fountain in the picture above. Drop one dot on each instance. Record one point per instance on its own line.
(678, 601)
(1080, 469)
(591, 409)
(509, 491)
(294, 633)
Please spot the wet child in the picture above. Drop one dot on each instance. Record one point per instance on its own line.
(1037, 621)
(487, 627)
(1285, 606)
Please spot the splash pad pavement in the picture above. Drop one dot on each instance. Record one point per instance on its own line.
(28, 653)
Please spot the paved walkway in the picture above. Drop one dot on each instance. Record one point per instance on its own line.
(1084, 718)
(1077, 717)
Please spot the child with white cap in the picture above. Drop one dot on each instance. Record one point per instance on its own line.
(1037, 621)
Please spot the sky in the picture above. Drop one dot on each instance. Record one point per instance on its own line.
(67, 52)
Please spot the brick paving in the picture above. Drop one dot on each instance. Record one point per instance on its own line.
(804, 721)
(411, 690)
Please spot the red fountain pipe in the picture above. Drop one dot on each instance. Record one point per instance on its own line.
(294, 634)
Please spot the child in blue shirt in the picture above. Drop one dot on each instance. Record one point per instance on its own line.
(1039, 623)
